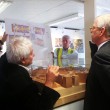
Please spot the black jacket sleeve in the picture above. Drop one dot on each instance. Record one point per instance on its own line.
(48, 97)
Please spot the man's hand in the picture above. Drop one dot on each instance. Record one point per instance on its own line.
(52, 73)
(4, 38)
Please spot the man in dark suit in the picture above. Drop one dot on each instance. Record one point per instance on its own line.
(17, 90)
(97, 96)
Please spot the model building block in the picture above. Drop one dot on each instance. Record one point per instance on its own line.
(67, 77)
(75, 79)
(65, 80)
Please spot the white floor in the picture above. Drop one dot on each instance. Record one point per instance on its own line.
(72, 106)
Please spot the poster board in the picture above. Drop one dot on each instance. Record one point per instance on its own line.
(40, 36)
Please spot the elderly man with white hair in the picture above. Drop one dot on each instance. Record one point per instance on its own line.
(97, 96)
(17, 90)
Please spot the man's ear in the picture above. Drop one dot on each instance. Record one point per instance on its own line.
(103, 30)
(23, 61)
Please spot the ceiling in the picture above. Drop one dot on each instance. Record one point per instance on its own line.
(52, 11)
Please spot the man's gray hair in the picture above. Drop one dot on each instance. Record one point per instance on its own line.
(18, 48)
(66, 36)
(104, 21)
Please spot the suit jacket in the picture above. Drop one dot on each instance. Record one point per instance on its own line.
(93, 48)
(97, 96)
(18, 91)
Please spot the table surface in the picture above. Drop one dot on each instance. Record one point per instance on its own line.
(71, 94)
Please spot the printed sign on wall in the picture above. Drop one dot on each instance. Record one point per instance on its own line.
(39, 34)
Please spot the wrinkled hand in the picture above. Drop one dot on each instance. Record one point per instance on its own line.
(52, 73)
(4, 38)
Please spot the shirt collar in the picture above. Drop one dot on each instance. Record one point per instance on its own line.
(101, 45)
(25, 67)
